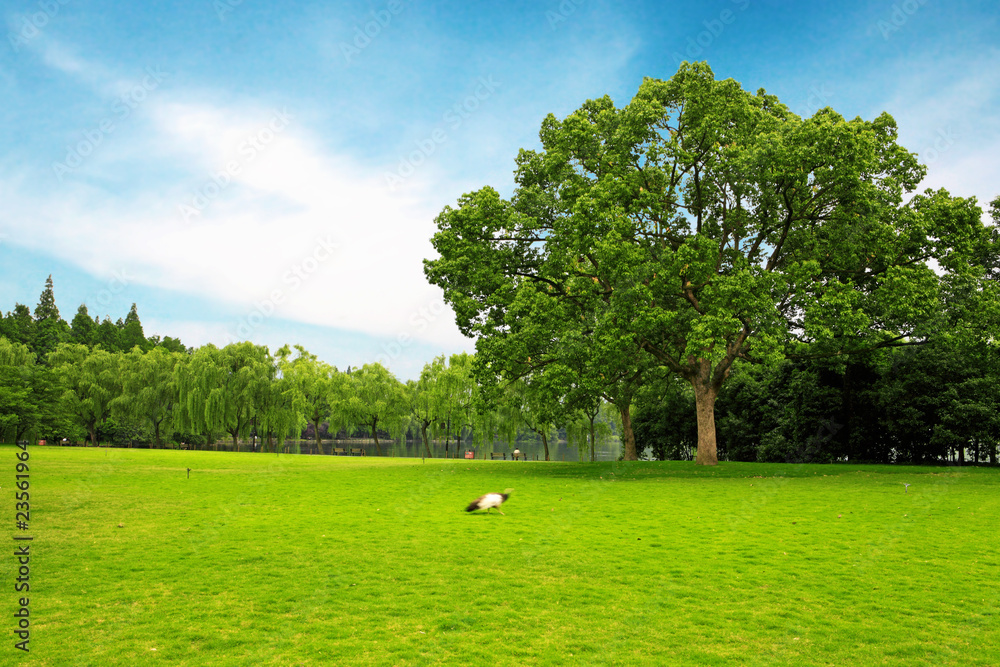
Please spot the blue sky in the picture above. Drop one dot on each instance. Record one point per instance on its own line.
(271, 170)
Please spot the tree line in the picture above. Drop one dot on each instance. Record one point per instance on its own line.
(78, 381)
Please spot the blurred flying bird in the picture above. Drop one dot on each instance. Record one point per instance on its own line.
(488, 501)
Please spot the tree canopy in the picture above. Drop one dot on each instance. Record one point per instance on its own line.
(707, 225)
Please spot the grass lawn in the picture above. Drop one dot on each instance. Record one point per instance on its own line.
(302, 560)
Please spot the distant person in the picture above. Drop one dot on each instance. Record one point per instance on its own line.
(517, 454)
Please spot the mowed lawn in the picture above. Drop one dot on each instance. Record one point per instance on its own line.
(300, 560)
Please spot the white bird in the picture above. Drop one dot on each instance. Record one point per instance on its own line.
(488, 501)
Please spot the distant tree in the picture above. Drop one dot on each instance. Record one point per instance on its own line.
(315, 385)
(937, 401)
(454, 396)
(19, 409)
(108, 336)
(588, 425)
(46, 308)
(277, 406)
(91, 382)
(168, 343)
(19, 326)
(50, 329)
(535, 406)
(83, 328)
(150, 391)
(424, 401)
(377, 400)
(218, 388)
(131, 332)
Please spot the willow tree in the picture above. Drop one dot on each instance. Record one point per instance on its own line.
(423, 400)
(218, 388)
(376, 400)
(278, 405)
(91, 383)
(149, 387)
(454, 398)
(19, 408)
(314, 383)
(717, 226)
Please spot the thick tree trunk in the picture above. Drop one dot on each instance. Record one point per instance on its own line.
(628, 436)
(319, 441)
(378, 450)
(545, 443)
(704, 399)
(156, 432)
(93, 434)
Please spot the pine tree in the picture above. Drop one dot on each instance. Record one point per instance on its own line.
(83, 327)
(50, 329)
(107, 335)
(46, 308)
(19, 327)
(131, 332)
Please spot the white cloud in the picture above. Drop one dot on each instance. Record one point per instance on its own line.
(268, 219)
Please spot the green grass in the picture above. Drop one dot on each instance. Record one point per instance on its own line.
(297, 560)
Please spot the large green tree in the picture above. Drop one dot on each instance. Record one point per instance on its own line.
(716, 226)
